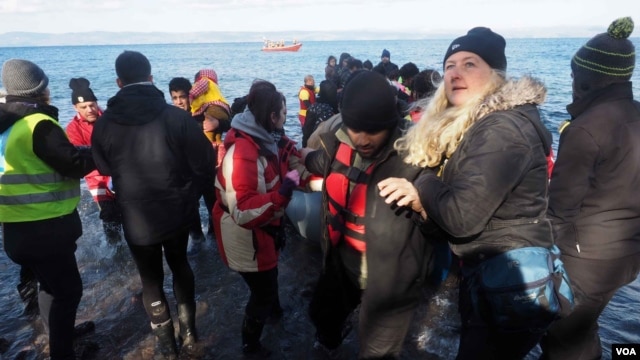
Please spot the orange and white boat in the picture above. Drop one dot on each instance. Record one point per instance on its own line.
(281, 46)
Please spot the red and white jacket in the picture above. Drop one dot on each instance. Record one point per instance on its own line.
(249, 209)
(79, 132)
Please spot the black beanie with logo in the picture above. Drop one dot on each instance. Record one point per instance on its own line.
(484, 43)
(80, 91)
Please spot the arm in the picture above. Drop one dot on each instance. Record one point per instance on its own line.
(50, 143)
(245, 192)
(494, 163)
(574, 167)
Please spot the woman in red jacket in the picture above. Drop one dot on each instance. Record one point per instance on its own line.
(79, 132)
(253, 187)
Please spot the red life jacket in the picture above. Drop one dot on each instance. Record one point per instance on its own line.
(347, 207)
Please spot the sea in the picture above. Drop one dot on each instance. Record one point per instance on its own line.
(112, 290)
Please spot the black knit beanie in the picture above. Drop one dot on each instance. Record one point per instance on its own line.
(369, 104)
(484, 43)
(605, 59)
(80, 91)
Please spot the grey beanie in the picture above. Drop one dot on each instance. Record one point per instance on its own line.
(23, 78)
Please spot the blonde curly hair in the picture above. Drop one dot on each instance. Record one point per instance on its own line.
(442, 126)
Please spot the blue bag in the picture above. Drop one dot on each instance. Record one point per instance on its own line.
(525, 288)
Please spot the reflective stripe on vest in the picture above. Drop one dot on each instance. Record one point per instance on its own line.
(30, 189)
(347, 204)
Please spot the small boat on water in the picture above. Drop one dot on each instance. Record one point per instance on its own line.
(281, 46)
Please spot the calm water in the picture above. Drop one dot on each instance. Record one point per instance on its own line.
(112, 289)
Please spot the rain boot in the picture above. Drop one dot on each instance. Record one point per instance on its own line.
(251, 332)
(166, 339)
(28, 290)
(187, 320)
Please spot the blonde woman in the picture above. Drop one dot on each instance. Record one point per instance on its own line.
(482, 136)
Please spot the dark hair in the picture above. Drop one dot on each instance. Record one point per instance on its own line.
(331, 57)
(328, 94)
(425, 83)
(393, 74)
(367, 64)
(263, 100)
(132, 67)
(179, 84)
(344, 56)
(354, 64)
(409, 70)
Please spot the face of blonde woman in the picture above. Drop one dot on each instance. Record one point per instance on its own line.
(465, 77)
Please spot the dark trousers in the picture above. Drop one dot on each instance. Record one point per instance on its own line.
(47, 248)
(381, 332)
(148, 259)
(263, 297)
(481, 340)
(594, 283)
(334, 299)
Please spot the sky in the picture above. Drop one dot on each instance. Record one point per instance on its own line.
(421, 16)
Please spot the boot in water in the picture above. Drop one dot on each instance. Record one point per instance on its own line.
(251, 333)
(187, 321)
(166, 339)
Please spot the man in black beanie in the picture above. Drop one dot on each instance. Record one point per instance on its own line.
(595, 187)
(370, 247)
(385, 66)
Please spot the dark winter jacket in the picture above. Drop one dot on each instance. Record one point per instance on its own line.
(594, 198)
(398, 255)
(492, 196)
(158, 158)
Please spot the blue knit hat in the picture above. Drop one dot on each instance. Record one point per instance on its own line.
(484, 43)
(385, 53)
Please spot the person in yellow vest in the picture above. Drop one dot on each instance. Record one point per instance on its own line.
(40, 172)
(307, 96)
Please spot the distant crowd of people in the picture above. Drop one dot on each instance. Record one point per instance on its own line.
(422, 173)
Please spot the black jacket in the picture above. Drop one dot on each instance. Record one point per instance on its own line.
(594, 198)
(398, 255)
(159, 160)
(492, 196)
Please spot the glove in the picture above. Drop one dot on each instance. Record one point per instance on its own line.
(291, 180)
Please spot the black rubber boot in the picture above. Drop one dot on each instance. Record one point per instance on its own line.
(187, 320)
(166, 339)
(251, 332)
(28, 290)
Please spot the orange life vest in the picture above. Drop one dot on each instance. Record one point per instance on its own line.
(347, 205)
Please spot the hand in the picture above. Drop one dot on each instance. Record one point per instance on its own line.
(294, 176)
(403, 193)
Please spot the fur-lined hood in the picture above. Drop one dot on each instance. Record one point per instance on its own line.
(514, 92)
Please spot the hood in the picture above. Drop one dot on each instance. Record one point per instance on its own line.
(523, 96)
(17, 107)
(136, 104)
(246, 123)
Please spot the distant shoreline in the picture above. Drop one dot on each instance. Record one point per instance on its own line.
(33, 39)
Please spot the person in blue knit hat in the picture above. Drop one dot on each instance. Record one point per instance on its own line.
(594, 189)
(385, 66)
